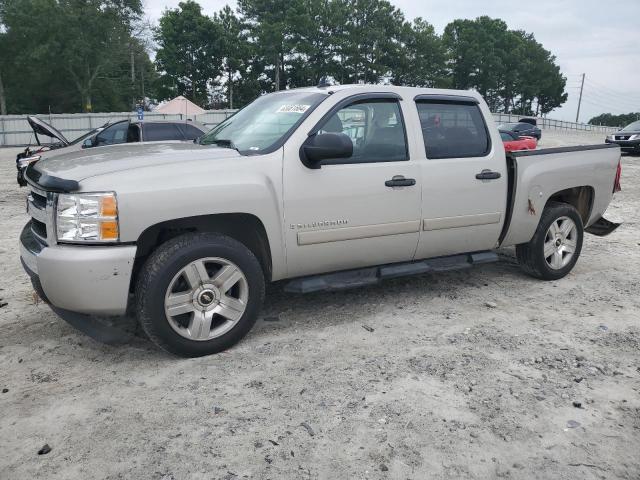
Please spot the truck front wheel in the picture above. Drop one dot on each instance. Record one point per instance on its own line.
(199, 294)
(555, 247)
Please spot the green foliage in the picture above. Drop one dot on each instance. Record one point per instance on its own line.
(509, 68)
(66, 50)
(71, 55)
(188, 54)
(611, 120)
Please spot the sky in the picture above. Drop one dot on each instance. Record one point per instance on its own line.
(598, 38)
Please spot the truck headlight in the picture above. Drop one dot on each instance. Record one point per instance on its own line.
(25, 162)
(635, 137)
(87, 217)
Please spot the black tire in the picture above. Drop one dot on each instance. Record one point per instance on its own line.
(531, 255)
(162, 266)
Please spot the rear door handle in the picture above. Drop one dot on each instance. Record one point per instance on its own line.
(488, 175)
(400, 181)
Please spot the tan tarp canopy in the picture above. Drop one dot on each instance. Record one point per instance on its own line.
(180, 105)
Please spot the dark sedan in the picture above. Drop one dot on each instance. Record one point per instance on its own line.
(522, 129)
(628, 138)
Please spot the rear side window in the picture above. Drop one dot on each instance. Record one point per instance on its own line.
(506, 137)
(453, 130)
(157, 132)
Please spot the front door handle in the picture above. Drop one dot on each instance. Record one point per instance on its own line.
(400, 181)
(488, 175)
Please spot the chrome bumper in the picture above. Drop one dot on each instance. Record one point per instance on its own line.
(84, 279)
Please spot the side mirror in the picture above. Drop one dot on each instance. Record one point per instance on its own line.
(88, 143)
(325, 146)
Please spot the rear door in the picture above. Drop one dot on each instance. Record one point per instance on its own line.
(348, 213)
(464, 177)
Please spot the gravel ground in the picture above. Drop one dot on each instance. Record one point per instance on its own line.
(484, 373)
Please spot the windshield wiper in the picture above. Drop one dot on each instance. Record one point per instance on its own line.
(225, 143)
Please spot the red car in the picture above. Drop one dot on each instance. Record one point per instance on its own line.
(512, 142)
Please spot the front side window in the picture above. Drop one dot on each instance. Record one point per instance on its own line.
(453, 130)
(113, 135)
(265, 123)
(376, 129)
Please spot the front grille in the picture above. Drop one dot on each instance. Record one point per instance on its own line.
(39, 229)
(623, 137)
(41, 211)
(40, 201)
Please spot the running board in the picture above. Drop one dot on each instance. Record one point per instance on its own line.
(373, 275)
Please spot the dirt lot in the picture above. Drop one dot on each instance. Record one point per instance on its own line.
(469, 374)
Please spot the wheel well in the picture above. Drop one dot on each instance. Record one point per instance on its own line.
(243, 227)
(580, 197)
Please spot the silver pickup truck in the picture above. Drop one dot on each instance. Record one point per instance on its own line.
(324, 188)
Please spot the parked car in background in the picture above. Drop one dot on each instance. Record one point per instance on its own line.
(124, 131)
(328, 188)
(513, 142)
(523, 129)
(628, 138)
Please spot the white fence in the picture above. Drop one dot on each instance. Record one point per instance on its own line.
(15, 131)
(551, 124)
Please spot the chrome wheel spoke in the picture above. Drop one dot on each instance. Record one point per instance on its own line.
(569, 246)
(553, 229)
(196, 274)
(179, 303)
(230, 308)
(567, 227)
(556, 260)
(200, 325)
(227, 277)
(549, 248)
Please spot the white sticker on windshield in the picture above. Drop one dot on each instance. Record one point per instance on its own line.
(293, 108)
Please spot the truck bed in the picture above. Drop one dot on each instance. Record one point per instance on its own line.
(536, 176)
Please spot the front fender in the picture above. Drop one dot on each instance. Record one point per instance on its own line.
(154, 194)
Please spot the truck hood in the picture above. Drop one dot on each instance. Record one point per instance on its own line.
(42, 128)
(82, 164)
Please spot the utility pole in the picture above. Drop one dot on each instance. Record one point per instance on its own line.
(580, 100)
(133, 80)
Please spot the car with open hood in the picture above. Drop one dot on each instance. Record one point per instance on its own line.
(124, 131)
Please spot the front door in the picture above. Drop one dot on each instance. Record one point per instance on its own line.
(464, 178)
(348, 213)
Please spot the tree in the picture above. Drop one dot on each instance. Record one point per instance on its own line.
(188, 56)
(235, 48)
(611, 120)
(509, 68)
(421, 59)
(64, 49)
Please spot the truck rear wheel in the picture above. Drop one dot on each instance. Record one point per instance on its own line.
(199, 294)
(555, 247)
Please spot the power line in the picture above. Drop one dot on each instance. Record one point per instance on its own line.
(611, 92)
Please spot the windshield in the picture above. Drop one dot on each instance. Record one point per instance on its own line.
(82, 137)
(632, 127)
(262, 124)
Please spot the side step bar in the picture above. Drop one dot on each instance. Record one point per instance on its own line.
(602, 227)
(373, 275)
